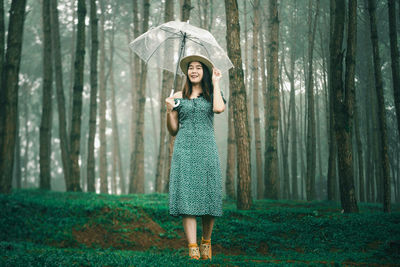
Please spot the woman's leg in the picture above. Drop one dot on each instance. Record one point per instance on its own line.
(208, 223)
(189, 225)
(205, 246)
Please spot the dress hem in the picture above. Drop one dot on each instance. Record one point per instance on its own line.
(197, 215)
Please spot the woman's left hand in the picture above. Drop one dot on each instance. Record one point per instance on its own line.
(216, 75)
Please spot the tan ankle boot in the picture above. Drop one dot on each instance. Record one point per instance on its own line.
(194, 252)
(205, 249)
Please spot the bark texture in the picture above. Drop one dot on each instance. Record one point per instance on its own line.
(293, 121)
(186, 7)
(311, 136)
(166, 86)
(239, 101)
(77, 98)
(62, 120)
(135, 80)
(103, 105)
(343, 101)
(331, 179)
(94, 51)
(9, 93)
(381, 108)
(256, 111)
(137, 168)
(271, 173)
(394, 53)
(45, 124)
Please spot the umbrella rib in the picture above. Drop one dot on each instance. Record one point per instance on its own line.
(208, 54)
(148, 58)
(175, 33)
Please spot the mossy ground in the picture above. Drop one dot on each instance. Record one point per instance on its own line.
(45, 228)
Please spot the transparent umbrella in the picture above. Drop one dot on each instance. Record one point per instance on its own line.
(164, 46)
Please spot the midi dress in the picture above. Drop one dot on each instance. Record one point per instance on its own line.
(195, 186)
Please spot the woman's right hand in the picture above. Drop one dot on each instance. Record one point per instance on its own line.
(172, 117)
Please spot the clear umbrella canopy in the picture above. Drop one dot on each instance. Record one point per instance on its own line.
(164, 45)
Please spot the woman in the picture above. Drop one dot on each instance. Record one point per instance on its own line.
(195, 187)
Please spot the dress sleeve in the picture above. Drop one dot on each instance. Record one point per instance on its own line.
(179, 106)
(223, 98)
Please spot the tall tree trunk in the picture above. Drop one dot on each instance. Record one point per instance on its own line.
(27, 137)
(166, 170)
(271, 173)
(203, 7)
(231, 154)
(394, 53)
(161, 175)
(62, 120)
(103, 106)
(361, 187)
(46, 121)
(246, 45)
(381, 107)
(302, 145)
(17, 159)
(2, 52)
(154, 120)
(284, 138)
(9, 95)
(331, 180)
(135, 72)
(292, 104)
(318, 137)
(72, 68)
(185, 12)
(247, 74)
(117, 158)
(368, 158)
(93, 96)
(265, 93)
(116, 141)
(375, 141)
(236, 85)
(311, 146)
(283, 135)
(255, 68)
(343, 106)
(398, 177)
(77, 102)
(167, 81)
(137, 169)
(116, 145)
(170, 148)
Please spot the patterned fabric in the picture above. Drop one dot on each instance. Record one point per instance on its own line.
(195, 186)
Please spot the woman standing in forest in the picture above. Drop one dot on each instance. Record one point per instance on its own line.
(195, 187)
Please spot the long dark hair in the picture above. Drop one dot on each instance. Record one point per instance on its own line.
(206, 84)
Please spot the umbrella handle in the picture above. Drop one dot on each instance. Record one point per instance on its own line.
(171, 95)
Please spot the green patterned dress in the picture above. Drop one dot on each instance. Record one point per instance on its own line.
(195, 186)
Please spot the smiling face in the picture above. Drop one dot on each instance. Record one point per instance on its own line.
(195, 72)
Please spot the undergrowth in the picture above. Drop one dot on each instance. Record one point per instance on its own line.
(45, 228)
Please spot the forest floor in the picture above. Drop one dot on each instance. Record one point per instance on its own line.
(45, 228)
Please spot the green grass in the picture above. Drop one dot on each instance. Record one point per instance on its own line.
(42, 228)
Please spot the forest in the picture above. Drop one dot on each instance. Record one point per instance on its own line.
(310, 134)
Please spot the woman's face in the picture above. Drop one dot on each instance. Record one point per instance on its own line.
(195, 72)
